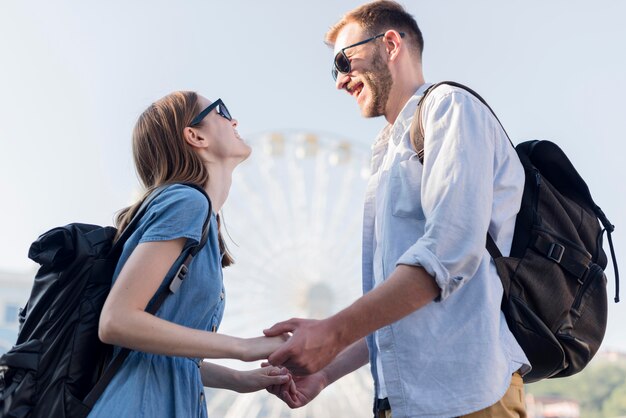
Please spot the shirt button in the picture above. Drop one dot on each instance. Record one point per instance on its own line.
(222, 295)
(201, 396)
(214, 328)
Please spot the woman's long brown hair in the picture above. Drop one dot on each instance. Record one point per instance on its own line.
(162, 156)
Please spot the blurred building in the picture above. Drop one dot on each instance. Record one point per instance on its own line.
(610, 355)
(14, 292)
(551, 407)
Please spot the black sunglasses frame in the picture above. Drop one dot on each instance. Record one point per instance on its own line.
(222, 110)
(335, 70)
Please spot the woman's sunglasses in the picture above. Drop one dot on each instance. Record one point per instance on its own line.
(342, 63)
(221, 110)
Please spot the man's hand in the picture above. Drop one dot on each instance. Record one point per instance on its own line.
(313, 344)
(300, 390)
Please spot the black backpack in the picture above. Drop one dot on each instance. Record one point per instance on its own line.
(59, 367)
(555, 299)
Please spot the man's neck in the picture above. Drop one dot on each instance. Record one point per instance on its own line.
(401, 93)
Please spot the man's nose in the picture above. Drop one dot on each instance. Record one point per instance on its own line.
(342, 80)
(234, 122)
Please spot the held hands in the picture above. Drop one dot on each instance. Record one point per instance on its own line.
(299, 390)
(313, 344)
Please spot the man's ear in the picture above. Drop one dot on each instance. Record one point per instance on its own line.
(193, 137)
(393, 43)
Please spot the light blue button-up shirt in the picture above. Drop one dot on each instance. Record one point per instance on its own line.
(454, 356)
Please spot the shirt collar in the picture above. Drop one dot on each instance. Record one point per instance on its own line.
(406, 114)
(403, 120)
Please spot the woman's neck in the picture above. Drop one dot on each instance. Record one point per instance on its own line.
(220, 179)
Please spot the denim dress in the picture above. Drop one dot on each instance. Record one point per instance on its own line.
(151, 385)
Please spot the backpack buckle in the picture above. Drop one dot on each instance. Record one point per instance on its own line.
(555, 253)
(3, 371)
(178, 278)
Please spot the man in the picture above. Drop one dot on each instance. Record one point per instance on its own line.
(429, 321)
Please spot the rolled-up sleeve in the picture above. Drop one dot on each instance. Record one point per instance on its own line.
(456, 189)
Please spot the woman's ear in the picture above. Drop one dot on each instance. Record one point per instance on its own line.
(194, 138)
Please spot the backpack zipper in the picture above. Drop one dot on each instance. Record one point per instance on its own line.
(536, 197)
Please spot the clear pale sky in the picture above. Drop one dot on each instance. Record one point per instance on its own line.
(75, 76)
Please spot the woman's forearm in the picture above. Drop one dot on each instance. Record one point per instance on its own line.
(216, 376)
(222, 377)
(139, 330)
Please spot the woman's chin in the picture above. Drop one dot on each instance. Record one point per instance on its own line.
(246, 153)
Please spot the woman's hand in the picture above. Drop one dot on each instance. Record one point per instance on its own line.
(222, 377)
(260, 348)
(258, 379)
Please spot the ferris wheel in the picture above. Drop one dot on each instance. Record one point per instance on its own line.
(294, 215)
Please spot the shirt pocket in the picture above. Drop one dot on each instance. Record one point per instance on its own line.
(405, 189)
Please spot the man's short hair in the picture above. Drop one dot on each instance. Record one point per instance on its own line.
(377, 17)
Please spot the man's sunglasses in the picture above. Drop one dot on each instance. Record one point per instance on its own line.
(221, 110)
(342, 63)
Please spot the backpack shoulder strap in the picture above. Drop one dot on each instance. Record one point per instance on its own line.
(416, 131)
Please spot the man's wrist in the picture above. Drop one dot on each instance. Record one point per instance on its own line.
(325, 377)
(343, 333)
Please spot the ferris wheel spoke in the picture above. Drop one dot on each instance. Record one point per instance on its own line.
(255, 287)
(350, 233)
(254, 212)
(276, 199)
(261, 295)
(344, 278)
(298, 184)
(270, 200)
(320, 191)
(357, 380)
(243, 407)
(271, 269)
(215, 399)
(341, 208)
(275, 407)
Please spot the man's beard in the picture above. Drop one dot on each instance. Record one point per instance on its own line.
(379, 81)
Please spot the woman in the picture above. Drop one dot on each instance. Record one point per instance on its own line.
(182, 138)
